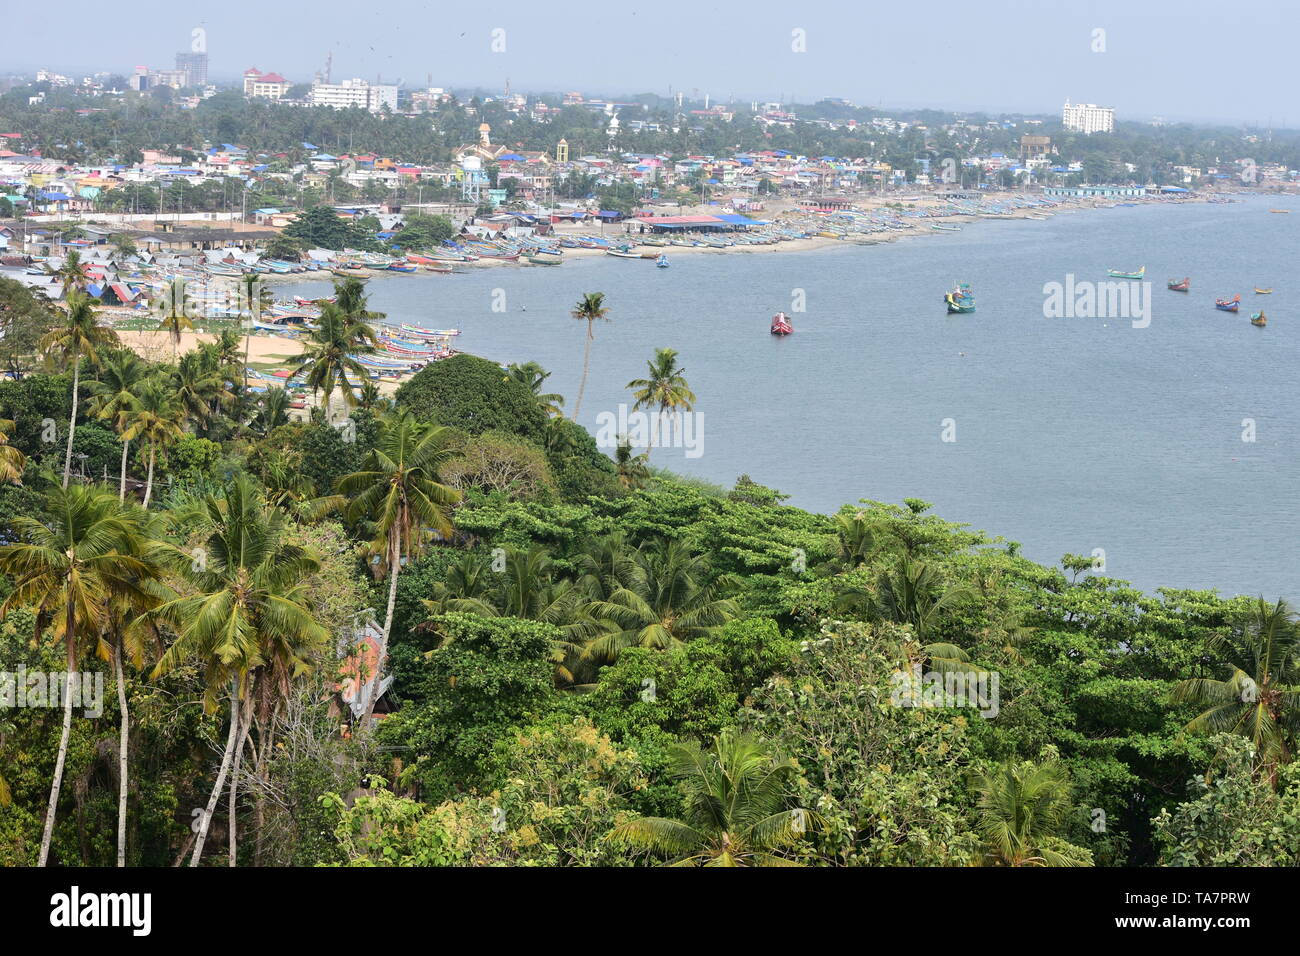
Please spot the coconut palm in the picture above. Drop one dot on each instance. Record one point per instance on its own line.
(176, 320)
(273, 410)
(1260, 699)
(398, 494)
(200, 386)
(350, 298)
(664, 388)
(1021, 808)
(590, 308)
(114, 398)
(914, 593)
(71, 562)
(532, 376)
(12, 460)
(72, 274)
(77, 335)
(633, 470)
(156, 420)
(247, 618)
(328, 355)
(669, 596)
(738, 809)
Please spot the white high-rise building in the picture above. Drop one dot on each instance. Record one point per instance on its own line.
(1088, 118)
(354, 92)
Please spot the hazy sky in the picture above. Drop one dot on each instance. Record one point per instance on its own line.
(1199, 59)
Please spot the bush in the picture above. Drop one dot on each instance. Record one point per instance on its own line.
(475, 395)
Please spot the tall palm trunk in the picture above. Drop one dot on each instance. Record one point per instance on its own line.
(123, 741)
(220, 785)
(246, 725)
(121, 486)
(57, 783)
(72, 421)
(586, 362)
(148, 485)
(394, 566)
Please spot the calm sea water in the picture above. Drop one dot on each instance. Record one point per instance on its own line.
(1071, 434)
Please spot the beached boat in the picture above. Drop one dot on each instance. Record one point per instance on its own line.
(545, 260)
(1180, 285)
(351, 273)
(1258, 319)
(781, 324)
(619, 253)
(401, 267)
(1117, 274)
(1259, 291)
(1228, 305)
(662, 262)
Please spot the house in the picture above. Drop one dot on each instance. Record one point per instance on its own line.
(269, 86)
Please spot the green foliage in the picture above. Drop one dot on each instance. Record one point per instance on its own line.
(472, 394)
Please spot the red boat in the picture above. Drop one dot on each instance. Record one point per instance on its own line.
(781, 325)
(1176, 285)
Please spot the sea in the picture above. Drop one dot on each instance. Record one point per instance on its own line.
(1151, 431)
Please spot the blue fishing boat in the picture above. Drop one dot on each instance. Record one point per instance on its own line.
(662, 262)
(1228, 305)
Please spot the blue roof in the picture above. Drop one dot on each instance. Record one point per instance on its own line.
(54, 197)
(309, 146)
(512, 157)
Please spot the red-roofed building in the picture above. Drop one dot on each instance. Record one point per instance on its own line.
(270, 86)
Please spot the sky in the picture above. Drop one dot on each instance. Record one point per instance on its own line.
(1197, 60)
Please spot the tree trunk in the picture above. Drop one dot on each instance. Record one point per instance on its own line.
(221, 775)
(57, 783)
(394, 566)
(72, 421)
(123, 741)
(263, 770)
(245, 725)
(586, 362)
(148, 485)
(121, 487)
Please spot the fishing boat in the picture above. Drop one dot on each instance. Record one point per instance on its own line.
(1117, 274)
(662, 262)
(347, 273)
(545, 260)
(1180, 285)
(503, 256)
(1228, 305)
(1282, 212)
(1258, 319)
(1259, 291)
(781, 324)
(959, 304)
(401, 267)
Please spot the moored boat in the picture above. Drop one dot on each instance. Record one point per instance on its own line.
(1117, 274)
(1180, 285)
(1259, 319)
(781, 324)
(1228, 305)
(662, 262)
(1259, 291)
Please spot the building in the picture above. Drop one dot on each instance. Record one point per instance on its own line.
(195, 67)
(1088, 118)
(1034, 148)
(269, 86)
(354, 92)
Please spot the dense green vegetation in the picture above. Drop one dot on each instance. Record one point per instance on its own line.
(593, 663)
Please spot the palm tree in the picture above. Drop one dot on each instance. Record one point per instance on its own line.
(69, 565)
(589, 308)
(397, 492)
(156, 421)
(1021, 808)
(737, 808)
(113, 398)
(914, 593)
(664, 388)
(328, 355)
(200, 386)
(350, 297)
(12, 460)
(176, 321)
(532, 376)
(247, 619)
(1260, 699)
(72, 275)
(77, 335)
(669, 597)
(633, 470)
(273, 410)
